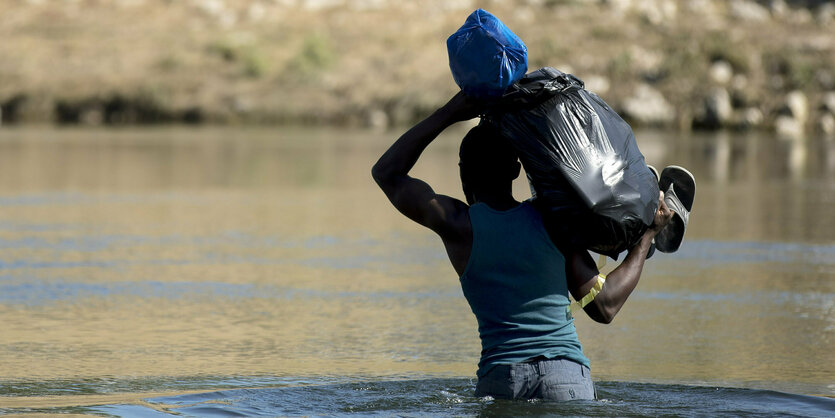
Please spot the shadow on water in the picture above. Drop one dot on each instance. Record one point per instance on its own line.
(454, 397)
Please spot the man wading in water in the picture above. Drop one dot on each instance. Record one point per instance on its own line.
(514, 277)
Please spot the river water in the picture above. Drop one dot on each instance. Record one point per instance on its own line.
(229, 272)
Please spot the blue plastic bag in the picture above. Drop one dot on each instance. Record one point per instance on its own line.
(485, 56)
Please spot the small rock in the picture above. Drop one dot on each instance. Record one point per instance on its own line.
(716, 111)
(524, 15)
(751, 118)
(239, 104)
(776, 82)
(316, 5)
(619, 6)
(801, 16)
(721, 72)
(826, 124)
(657, 12)
(597, 84)
(91, 116)
(748, 11)
(792, 116)
(228, 19)
(718, 106)
(645, 60)
(130, 3)
(706, 8)
(377, 119)
(565, 67)
(828, 102)
(648, 106)
(788, 126)
(453, 5)
(255, 12)
(739, 82)
(778, 8)
(797, 106)
(825, 78)
(211, 7)
(825, 14)
(365, 5)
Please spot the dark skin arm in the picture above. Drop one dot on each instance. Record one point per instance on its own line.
(445, 215)
(582, 272)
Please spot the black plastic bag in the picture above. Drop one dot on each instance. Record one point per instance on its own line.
(586, 173)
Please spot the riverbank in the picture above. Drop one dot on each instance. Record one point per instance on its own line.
(703, 64)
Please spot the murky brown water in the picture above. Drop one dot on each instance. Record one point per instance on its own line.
(175, 259)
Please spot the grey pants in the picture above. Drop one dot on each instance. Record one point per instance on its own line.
(557, 380)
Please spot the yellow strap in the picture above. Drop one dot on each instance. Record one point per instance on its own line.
(601, 279)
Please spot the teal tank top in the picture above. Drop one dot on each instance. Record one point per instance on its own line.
(516, 286)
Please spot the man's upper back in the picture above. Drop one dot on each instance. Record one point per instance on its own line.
(516, 286)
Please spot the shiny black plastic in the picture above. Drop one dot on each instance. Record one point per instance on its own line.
(586, 172)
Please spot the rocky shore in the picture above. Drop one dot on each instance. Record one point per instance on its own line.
(697, 64)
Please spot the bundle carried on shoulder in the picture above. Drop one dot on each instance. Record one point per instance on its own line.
(587, 175)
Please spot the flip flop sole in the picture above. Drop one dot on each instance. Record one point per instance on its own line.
(683, 181)
(679, 187)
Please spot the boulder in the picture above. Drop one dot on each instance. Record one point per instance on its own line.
(792, 116)
(377, 119)
(704, 8)
(800, 16)
(644, 60)
(750, 118)
(748, 11)
(657, 12)
(597, 84)
(739, 82)
(717, 110)
(826, 124)
(825, 14)
(787, 126)
(796, 106)
(619, 6)
(828, 102)
(778, 8)
(721, 72)
(648, 106)
(92, 115)
(825, 78)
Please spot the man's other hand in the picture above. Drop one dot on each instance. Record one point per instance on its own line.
(662, 216)
(462, 107)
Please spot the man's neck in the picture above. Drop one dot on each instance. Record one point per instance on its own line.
(500, 202)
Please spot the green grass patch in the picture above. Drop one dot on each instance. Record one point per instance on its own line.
(717, 47)
(252, 62)
(316, 54)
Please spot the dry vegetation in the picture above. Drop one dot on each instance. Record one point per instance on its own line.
(380, 62)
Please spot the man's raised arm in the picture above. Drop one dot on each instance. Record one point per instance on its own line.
(412, 197)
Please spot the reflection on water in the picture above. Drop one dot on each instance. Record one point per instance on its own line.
(142, 261)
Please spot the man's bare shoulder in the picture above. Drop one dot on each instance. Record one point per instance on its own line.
(454, 218)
